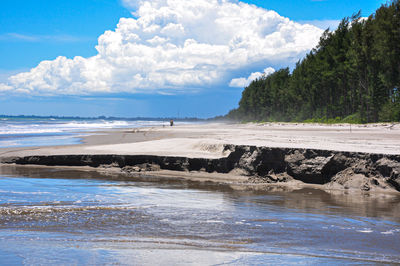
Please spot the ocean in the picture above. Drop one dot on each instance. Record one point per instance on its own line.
(25, 132)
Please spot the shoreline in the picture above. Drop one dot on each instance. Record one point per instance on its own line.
(214, 181)
(238, 155)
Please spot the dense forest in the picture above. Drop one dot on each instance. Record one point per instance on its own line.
(353, 75)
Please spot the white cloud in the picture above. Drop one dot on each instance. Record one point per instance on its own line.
(4, 87)
(173, 46)
(244, 82)
(5, 74)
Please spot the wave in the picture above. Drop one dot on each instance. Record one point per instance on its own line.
(56, 126)
(34, 210)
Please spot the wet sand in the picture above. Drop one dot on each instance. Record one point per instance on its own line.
(362, 204)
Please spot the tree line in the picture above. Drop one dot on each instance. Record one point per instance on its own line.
(353, 75)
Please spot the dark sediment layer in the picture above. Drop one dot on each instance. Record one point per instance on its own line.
(262, 164)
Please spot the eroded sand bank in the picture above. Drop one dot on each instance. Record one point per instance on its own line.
(209, 141)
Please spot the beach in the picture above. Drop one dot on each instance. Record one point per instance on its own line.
(204, 140)
(211, 142)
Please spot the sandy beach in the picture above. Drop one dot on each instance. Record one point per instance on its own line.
(208, 141)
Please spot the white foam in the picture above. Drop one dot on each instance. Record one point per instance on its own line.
(215, 221)
(365, 230)
(390, 232)
(59, 126)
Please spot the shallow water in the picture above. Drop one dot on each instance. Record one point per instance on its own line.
(59, 216)
(25, 132)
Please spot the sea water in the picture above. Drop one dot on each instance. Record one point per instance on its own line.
(60, 216)
(24, 131)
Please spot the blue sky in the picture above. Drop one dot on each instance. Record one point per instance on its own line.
(36, 30)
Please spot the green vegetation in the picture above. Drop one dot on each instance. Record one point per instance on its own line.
(353, 76)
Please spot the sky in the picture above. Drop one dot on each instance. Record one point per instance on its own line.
(158, 58)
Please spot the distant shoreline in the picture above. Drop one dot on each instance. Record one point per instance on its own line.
(103, 118)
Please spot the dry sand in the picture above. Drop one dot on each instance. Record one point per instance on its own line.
(206, 140)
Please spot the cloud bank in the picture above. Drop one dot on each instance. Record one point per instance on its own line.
(174, 46)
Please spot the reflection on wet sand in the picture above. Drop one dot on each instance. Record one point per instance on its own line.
(315, 201)
(307, 199)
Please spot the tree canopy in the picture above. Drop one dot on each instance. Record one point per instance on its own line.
(353, 75)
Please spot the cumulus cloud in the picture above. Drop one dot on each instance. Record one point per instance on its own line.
(244, 82)
(4, 87)
(170, 46)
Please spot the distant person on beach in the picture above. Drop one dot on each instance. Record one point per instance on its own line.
(171, 122)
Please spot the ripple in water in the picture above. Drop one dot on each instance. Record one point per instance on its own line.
(96, 221)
